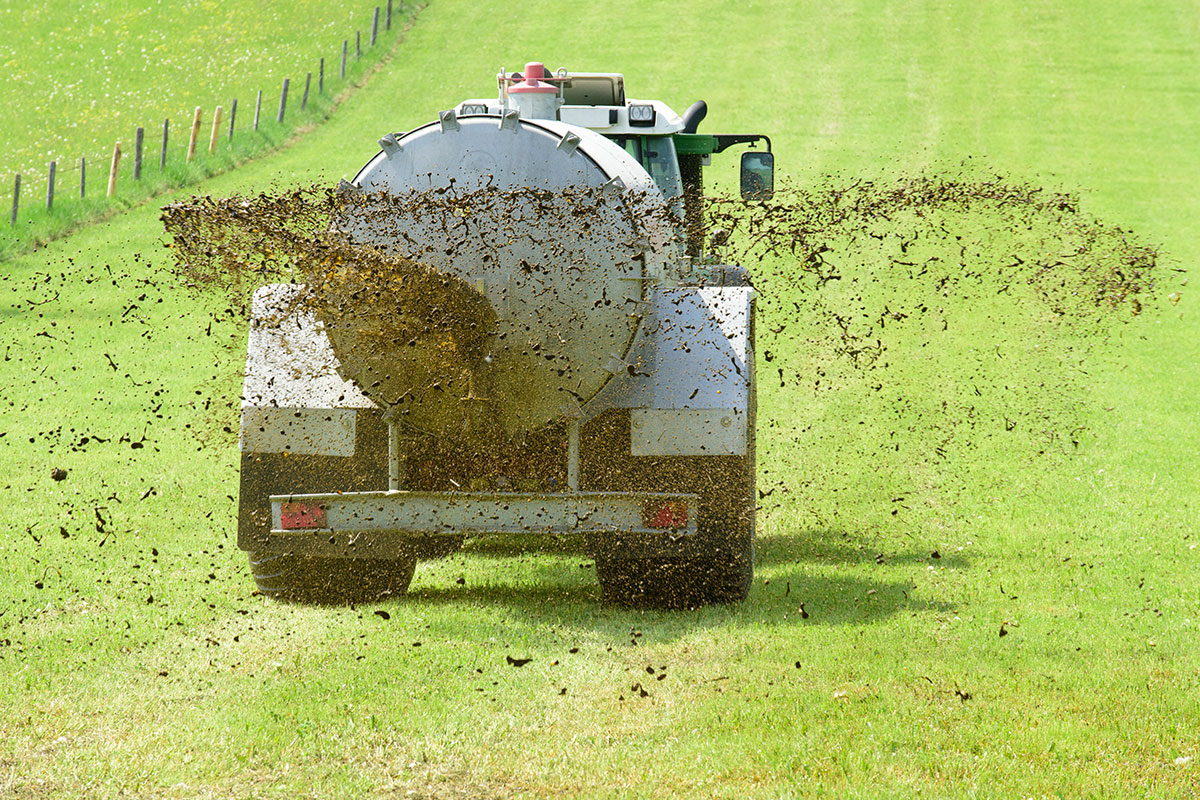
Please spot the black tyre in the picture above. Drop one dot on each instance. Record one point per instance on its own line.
(723, 574)
(714, 566)
(313, 579)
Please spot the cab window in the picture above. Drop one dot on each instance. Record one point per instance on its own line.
(656, 154)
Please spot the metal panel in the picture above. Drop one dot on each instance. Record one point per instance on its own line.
(301, 431)
(424, 513)
(703, 348)
(694, 352)
(687, 432)
(289, 362)
(585, 116)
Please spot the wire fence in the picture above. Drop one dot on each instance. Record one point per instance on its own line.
(223, 133)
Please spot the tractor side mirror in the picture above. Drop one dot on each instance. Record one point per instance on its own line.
(758, 175)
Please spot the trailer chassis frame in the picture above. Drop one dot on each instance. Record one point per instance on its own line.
(382, 524)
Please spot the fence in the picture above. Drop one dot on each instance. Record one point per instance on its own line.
(55, 179)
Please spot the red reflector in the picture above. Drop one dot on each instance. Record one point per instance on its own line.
(665, 514)
(299, 516)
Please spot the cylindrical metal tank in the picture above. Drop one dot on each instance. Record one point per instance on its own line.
(556, 226)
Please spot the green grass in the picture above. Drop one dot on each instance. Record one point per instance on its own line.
(143, 664)
(86, 78)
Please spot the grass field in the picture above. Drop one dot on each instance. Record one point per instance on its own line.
(85, 76)
(136, 661)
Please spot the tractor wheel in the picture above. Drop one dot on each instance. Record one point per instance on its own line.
(314, 579)
(723, 575)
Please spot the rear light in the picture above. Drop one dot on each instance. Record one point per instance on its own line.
(665, 514)
(473, 108)
(301, 516)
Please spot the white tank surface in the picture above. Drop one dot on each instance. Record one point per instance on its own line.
(558, 227)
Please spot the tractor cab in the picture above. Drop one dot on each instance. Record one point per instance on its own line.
(666, 144)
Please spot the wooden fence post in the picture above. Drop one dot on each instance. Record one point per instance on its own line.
(82, 178)
(375, 26)
(232, 117)
(16, 197)
(321, 78)
(283, 99)
(137, 154)
(195, 135)
(112, 172)
(388, 24)
(345, 44)
(50, 186)
(357, 45)
(162, 158)
(307, 83)
(257, 108)
(216, 131)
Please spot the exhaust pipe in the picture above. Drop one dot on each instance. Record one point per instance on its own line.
(695, 114)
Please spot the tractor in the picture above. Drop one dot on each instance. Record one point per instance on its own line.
(613, 399)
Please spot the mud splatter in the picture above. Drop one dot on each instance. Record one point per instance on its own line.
(847, 273)
(413, 334)
(912, 325)
(907, 326)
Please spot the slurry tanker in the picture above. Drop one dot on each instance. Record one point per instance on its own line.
(585, 368)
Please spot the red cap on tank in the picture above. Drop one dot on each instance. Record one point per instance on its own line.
(533, 84)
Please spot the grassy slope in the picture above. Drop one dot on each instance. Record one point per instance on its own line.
(82, 81)
(85, 76)
(1094, 691)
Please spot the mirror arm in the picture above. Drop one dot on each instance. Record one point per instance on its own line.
(727, 140)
